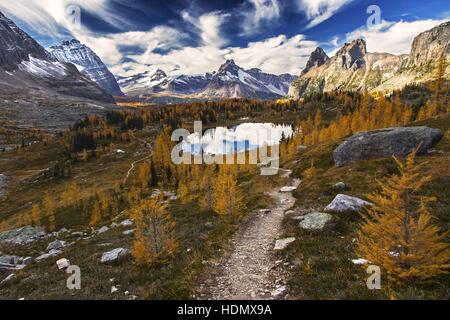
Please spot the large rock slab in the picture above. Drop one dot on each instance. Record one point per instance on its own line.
(316, 221)
(22, 236)
(114, 255)
(344, 203)
(386, 143)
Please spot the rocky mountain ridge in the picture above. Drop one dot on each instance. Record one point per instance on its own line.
(230, 81)
(26, 66)
(87, 62)
(354, 69)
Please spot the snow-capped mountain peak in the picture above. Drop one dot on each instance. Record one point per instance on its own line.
(230, 81)
(87, 62)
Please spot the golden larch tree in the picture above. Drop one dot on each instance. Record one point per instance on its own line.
(96, 214)
(155, 239)
(397, 233)
(36, 215)
(144, 175)
(49, 208)
(228, 199)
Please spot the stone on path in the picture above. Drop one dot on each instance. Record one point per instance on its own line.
(283, 243)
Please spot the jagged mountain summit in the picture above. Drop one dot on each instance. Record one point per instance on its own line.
(318, 57)
(230, 81)
(26, 66)
(158, 82)
(87, 62)
(354, 69)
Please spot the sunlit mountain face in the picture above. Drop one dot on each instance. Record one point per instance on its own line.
(197, 37)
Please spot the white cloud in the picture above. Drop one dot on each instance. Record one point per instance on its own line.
(260, 11)
(274, 55)
(317, 11)
(109, 47)
(50, 17)
(393, 37)
(209, 27)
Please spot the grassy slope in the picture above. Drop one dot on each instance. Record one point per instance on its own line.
(199, 242)
(323, 269)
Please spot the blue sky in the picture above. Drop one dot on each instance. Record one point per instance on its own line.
(194, 37)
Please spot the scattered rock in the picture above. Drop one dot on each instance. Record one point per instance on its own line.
(9, 279)
(114, 289)
(344, 203)
(128, 232)
(279, 292)
(27, 261)
(63, 263)
(289, 212)
(209, 225)
(9, 260)
(169, 194)
(115, 255)
(127, 223)
(22, 236)
(265, 211)
(283, 244)
(102, 230)
(340, 186)
(360, 261)
(317, 221)
(78, 234)
(50, 254)
(288, 189)
(56, 245)
(103, 245)
(386, 143)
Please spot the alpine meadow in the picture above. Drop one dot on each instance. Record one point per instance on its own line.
(203, 151)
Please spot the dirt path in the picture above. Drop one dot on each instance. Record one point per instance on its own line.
(251, 272)
(133, 165)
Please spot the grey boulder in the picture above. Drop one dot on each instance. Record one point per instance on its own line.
(386, 143)
(9, 260)
(56, 245)
(316, 221)
(344, 203)
(22, 236)
(114, 255)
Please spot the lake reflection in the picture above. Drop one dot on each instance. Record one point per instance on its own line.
(244, 137)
